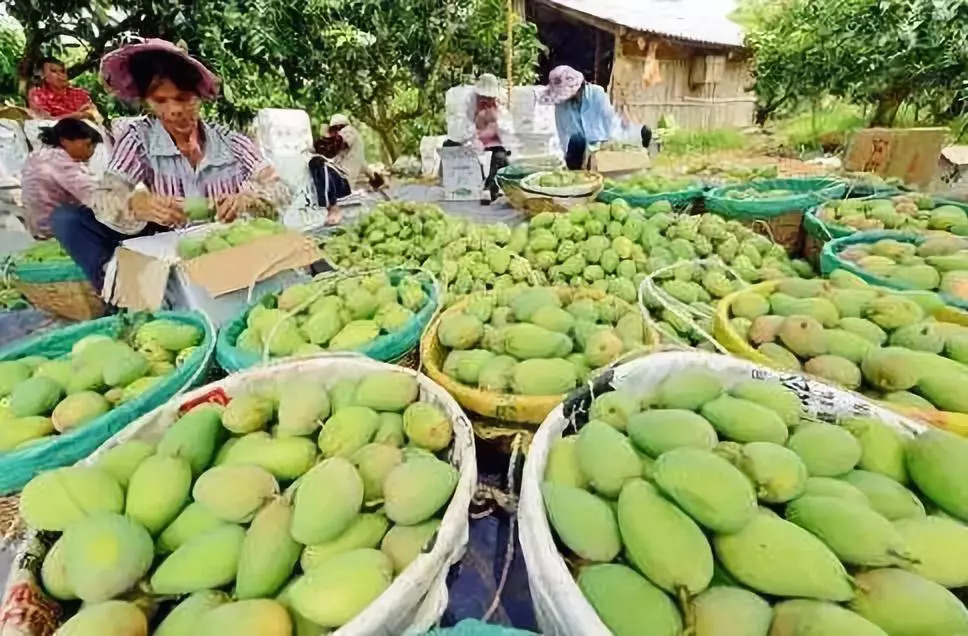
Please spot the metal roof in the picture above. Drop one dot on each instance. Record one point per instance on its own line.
(695, 20)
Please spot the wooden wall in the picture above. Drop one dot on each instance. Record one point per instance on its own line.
(722, 102)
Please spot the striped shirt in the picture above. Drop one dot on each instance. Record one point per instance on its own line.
(146, 155)
(50, 178)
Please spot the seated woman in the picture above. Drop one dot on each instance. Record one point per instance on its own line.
(159, 161)
(583, 115)
(339, 164)
(489, 127)
(56, 173)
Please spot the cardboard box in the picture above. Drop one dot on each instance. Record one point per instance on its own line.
(618, 162)
(146, 272)
(462, 175)
(909, 154)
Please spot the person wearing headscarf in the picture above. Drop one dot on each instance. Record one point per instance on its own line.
(488, 127)
(56, 174)
(340, 162)
(583, 114)
(161, 160)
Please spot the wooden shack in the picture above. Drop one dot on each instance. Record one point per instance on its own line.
(682, 60)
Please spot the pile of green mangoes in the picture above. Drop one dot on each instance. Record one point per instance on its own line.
(43, 397)
(755, 194)
(728, 173)
(250, 519)
(607, 247)
(885, 344)
(46, 251)
(563, 178)
(650, 183)
(940, 263)
(338, 315)
(538, 341)
(234, 234)
(870, 180)
(706, 507)
(10, 297)
(914, 212)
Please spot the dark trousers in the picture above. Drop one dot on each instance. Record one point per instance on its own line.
(88, 241)
(578, 145)
(330, 184)
(499, 159)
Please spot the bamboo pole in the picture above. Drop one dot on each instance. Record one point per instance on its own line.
(509, 47)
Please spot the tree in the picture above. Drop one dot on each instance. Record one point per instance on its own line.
(389, 62)
(874, 52)
(11, 45)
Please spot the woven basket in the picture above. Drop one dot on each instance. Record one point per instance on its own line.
(782, 217)
(59, 288)
(529, 184)
(74, 300)
(507, 407)
(737, 345)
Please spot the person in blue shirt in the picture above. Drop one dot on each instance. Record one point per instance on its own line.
(583, 114)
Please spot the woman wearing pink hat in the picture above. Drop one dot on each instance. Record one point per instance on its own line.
(160, 161)
(583, 114)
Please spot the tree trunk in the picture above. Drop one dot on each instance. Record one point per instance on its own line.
(886, 111)
(31, 57)
(387, 141)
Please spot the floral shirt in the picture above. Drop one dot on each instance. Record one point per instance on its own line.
(51, 178)
(146, 156)
(45, 101)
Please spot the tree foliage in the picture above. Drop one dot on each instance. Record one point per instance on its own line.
(882, 53)
(386, 62)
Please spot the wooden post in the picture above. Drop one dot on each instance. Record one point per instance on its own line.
(598, 55)
(509, 47)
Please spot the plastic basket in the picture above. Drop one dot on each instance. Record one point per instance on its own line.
(19, 465)
(393, 347)
(818, 233)
(679, 199)
(508, 407)
(783, 216)
(830, 260)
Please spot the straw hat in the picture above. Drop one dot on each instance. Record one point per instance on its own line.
(116, 69)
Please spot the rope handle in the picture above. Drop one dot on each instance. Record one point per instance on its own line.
(678, 308)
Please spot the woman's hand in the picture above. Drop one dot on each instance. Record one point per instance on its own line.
(152, 208)
(228, 207)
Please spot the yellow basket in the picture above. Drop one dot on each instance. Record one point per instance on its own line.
(521, 409)
(737, 345)
(75, 300)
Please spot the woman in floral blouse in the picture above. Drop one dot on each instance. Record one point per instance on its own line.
(160, 161)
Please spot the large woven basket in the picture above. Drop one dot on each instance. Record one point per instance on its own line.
(59, 288)
(782, 217)
(505, 407)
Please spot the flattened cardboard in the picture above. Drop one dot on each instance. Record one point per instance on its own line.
(612, 162)
(140, 281)
(909, 154)
(243, 266)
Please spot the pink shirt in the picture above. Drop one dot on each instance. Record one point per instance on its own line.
(50, 178)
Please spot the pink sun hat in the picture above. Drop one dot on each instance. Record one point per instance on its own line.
(116, 71)
(564, 82)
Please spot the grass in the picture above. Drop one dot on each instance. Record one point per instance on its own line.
(827, 128)
(695, 142)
